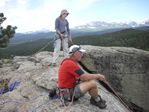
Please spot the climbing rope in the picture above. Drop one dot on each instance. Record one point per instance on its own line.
(107, 86)
(67, 108)
(42, 47)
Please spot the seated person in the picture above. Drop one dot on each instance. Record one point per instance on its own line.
(70, 72)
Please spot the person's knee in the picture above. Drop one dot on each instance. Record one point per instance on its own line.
(88, 85)
(93, 83)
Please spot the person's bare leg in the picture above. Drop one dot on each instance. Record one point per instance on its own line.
(89, 86)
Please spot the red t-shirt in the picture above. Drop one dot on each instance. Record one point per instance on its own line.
(69, 72)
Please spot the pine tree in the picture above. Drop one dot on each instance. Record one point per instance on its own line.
(5, 33)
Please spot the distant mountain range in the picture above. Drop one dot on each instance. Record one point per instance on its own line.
(29, 37)
(101, 25)
(138, 38)
(92, 28)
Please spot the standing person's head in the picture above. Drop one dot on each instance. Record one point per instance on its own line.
(76, 52)
(64, 13)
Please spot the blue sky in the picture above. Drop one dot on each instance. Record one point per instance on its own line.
(35, 15)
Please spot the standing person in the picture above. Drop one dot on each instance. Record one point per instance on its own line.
(62, 36)
(70, 73)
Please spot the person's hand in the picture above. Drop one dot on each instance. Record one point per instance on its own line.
(61, 36)
(101, 77)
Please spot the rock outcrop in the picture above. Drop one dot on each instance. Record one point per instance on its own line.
(127, 70)
(36, 78)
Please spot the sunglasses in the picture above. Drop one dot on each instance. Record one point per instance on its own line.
(65, 14)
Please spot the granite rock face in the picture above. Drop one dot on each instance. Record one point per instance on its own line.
(127, 70)
(36, 79)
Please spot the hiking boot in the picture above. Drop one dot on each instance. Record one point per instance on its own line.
(101, 99)
(101, 103)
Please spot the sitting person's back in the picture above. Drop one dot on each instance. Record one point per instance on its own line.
(68, 73)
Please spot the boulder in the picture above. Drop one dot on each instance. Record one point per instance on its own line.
(127, 70)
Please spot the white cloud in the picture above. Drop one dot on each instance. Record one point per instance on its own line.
(3, 3)
(28, 17)
(21, 2)
(43, 17)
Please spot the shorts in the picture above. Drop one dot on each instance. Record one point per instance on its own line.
(75, 91)
(78, 93)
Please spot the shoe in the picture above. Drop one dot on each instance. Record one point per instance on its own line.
(101, 104)
(101, 99)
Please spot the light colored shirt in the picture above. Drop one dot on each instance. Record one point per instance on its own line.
(62, 26)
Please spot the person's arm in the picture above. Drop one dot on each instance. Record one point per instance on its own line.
(78, 73)
(85, 77)
(68, 30)
(69, 34)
